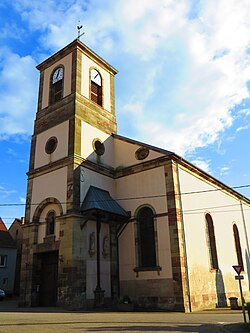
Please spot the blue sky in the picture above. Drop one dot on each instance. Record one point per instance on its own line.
(183, 82)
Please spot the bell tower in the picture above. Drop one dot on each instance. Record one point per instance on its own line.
(75, 115)
(76, 93)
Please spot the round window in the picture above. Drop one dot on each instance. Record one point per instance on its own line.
(51, 145)
(141, 153)
(98, 147)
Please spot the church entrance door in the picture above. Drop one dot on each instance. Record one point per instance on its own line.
(49, 275)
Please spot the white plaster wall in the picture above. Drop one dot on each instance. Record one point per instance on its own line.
(52, 184)
(124, 153)
(91, 263)
(61, 132)
(67, 63)
(88, 134)
(225, 211)
(86, 64)
(144, 188)
(42, 220)
(89, 177)
(118, 153)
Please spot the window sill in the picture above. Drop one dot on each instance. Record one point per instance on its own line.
(146, 269)
(49, 239)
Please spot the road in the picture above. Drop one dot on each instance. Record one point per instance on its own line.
(52, 320)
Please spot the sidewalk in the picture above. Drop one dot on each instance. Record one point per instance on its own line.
(234, 327)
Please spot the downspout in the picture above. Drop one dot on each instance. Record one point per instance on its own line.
(184, 241)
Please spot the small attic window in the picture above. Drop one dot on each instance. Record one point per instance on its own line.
(98, 147)
(141, 153)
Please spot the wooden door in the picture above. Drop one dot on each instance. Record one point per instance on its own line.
(49, 275)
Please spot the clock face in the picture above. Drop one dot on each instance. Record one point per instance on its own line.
(96, 77)
(58, 75)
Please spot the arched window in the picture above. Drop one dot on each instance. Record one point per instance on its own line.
(146, 238)
(237, 245)
(96, 87)
(212, 242)
(56, 85)
(50, 222)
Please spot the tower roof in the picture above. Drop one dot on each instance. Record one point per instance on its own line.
(68, 49)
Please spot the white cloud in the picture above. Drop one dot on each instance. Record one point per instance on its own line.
(11, 152)
(5, 193)
(18, 93)
(22, 200)
(202, 164)
(245, 112)
(242, 128)
(224, 171)
(183, 76)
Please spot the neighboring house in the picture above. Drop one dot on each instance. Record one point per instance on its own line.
(107, 216)
(2, 225)
(8, 253)
(16, 233)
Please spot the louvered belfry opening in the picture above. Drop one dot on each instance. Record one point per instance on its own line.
(96, 93)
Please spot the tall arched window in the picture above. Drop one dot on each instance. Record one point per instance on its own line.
(237, 245)
(146, 238)
(96, 87)
(50, 222)
(212, 242)
(56, 85)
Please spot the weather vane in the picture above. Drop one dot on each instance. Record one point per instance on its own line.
(79, 27)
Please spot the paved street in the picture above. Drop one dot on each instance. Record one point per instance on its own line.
(48, 320)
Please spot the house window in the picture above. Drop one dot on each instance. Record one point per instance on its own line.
(146, 238)
(3, 260)
(5, 282)
(212, 242)
(96, 87)
(237, 245)
(56, 85)
(50, 223)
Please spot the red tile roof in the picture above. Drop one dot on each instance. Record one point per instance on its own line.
(2, 225)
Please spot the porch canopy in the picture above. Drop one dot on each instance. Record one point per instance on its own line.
(99, 203)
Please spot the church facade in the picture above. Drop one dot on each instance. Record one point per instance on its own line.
(107, 216)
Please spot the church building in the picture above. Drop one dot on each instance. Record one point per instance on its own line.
(109, 217)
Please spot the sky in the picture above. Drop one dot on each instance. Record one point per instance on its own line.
(183, 81)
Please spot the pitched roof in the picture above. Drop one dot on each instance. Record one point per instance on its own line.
(6, 240)
(132, 141)
(185, 163)
(100, 200)
(2, 225)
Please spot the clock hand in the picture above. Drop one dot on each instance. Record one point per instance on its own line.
(95, 76)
